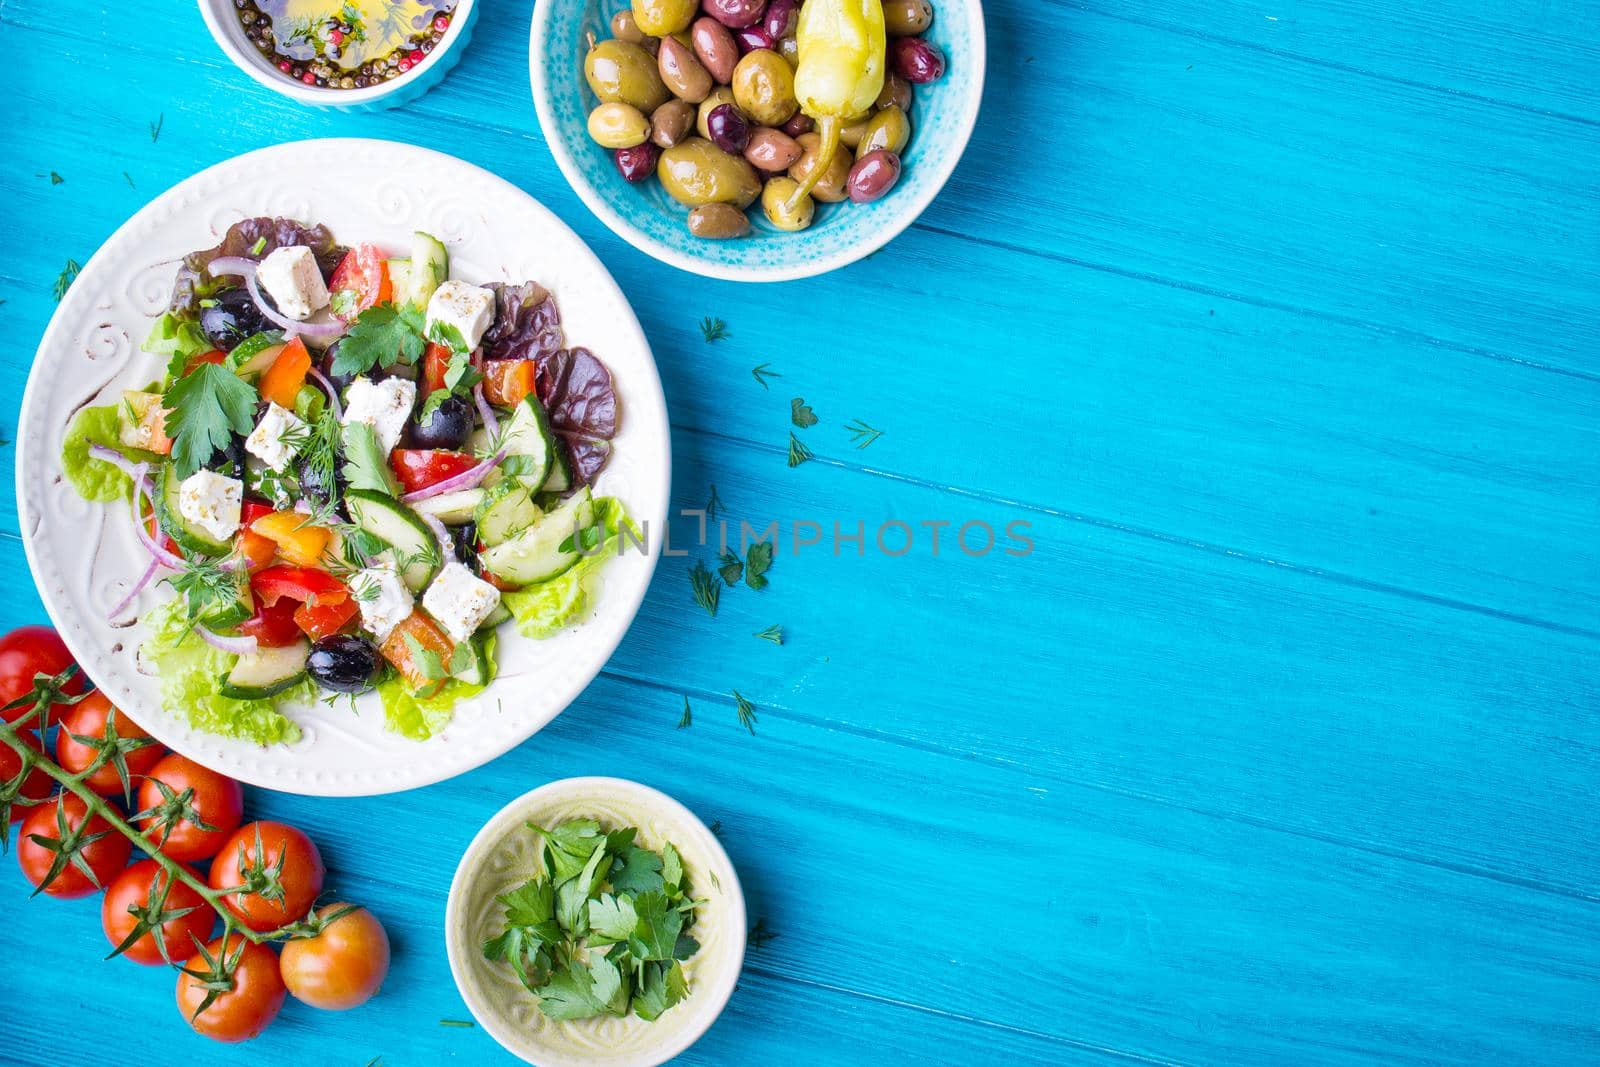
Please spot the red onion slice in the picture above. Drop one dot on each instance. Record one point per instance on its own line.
(239, 646)
(138, 587)
(327, 387)
(248, 269)
(490, 423)
(115, 458)
(141, 489)
(440, 534)
(465, 480)
(232, 265)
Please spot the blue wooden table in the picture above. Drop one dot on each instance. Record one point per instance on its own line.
(1276, 323)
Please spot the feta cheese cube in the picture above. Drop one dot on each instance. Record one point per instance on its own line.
(385, 406)
(459, 600)
(468, 308)
(211, 501)
(294, 281)
(383, 598)
(277, 437)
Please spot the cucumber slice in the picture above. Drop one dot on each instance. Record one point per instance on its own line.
(267, 672)
(500, 614)
(399, 276)
(385, 518)
(507, 510)
(190, 538)
(452, 509)
(535, 554)
(529, 444)
(232, 611)
(255, 354)
(430, 266)
(477, 671)
(560, 478)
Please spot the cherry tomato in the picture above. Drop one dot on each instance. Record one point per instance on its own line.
(434, 364)
(244, 1010)
(87, 718)
(507, 382)
(325, 617)
(342, 966)
(213, 356)
(25, 652)
(36, 786)
(213, 799)
(240, 863)
(272, 625)
(364, 272)
(418, 468)
(131, 891)
(105, 855)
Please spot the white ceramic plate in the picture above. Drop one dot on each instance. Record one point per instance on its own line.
(505, 854)
(84, 556)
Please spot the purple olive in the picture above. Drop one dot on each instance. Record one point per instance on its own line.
(916, 60)
(873, 175)
(799, 123)
(637, 163)
(729, 129)
(735, 14)
(753, 39)
(780, 18)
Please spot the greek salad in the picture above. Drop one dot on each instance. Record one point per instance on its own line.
(353, 471)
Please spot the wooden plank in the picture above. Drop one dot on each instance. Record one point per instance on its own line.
(1372, 456)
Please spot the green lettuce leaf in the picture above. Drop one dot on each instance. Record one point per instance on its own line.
(543, 609)
(419, 718)
(179, 339)
(95, 479)
(191, 674)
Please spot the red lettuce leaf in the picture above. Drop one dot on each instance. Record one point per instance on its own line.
(526, 323)
(578, 394)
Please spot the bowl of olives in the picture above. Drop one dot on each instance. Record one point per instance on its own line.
(693, 130)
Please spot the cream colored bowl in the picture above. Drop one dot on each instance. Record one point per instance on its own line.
(506, 853)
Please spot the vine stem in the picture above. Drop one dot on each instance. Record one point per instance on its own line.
(97, 805)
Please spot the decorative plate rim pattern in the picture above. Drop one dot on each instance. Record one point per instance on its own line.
(90, 350)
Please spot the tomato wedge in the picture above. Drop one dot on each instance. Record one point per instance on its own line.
(434, 364)
(507, 382)
(426, 635)
(273, 625)
(325, 617)
(364, 272)
(214, 356)
(418, 468)
(283, 379)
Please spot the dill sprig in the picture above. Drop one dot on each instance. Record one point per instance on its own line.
(707, 590)
(862, 434)
(762, 373)
(798, 452)
(747, 711)
(687, 718)
(772, 633)
(714, 505)
(713, 330)
(64, 280)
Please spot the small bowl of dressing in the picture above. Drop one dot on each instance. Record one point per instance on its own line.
(354, 55)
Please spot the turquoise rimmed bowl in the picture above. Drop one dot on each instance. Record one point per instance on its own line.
(942, 118)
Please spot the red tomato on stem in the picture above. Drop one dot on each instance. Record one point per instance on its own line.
(182, 916)
(342, 966)
(188, 811)
(137, 750)
(101, 847)
(253, 996)
(275, 871)
(28, 651)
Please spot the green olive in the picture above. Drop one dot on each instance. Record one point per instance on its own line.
(789, 49)
(888, 129)
(623, 28)
(775, 202)
(718, 222)
(907, 18)
(661, 17)
(896, 91)
(851, 133)
(763, 87)
(671, 123)
(624, 73)
(720, 95)
(830, 188)
(615, 125)
(696, 172)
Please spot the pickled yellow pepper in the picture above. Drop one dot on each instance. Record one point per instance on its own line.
(842, 57)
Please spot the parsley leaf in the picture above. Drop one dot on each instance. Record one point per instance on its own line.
(660, 987)
(636, 870)
(569, 994)
(364, 465)
(732, 569)
(612, 918)
(756, 564)
(655, 934)
(800, 413)
(205, 408)
(380, 337)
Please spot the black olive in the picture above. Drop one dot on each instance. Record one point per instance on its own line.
(344, 664)
(447, 427)
(464, 542)
(230, 318)
(230, 461)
